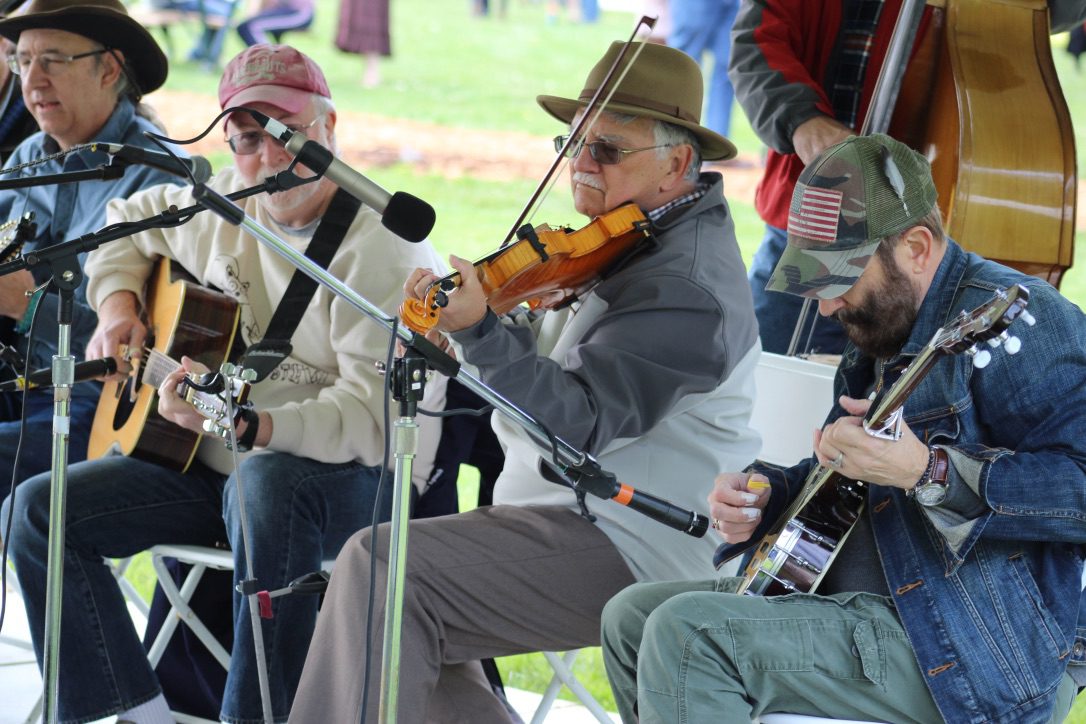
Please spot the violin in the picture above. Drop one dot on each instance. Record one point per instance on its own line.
(542, 262)
(546, 266)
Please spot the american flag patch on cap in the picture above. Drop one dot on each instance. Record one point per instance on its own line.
(816, 213)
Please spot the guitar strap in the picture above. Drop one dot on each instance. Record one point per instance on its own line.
(264, 356)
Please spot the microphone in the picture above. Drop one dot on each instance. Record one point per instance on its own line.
(406, 216)
(199, 166)
(590, 478)
(44, 377)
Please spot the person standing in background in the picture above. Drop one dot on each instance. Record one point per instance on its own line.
(705, 26)
(804, 72)
(363, 29)
(273, 18)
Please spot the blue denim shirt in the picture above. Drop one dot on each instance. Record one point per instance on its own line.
(988, 585)
(68, 211)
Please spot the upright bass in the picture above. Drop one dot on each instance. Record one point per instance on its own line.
(980, 98)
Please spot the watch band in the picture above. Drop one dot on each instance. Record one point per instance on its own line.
(931, 489)
(252, 426)
(940, 466)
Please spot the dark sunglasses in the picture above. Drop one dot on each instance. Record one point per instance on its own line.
(602, 152)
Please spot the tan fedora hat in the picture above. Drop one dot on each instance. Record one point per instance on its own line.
(663, 83)
(104, 21)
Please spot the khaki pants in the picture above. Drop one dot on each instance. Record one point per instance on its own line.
(492, 582)
(693, 652)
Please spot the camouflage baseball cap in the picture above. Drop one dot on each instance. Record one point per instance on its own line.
(846, 201)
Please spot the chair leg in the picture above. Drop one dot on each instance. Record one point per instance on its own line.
(179, 600)
(563, 674)
(555, 685)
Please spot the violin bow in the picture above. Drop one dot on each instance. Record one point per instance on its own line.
(583, 125)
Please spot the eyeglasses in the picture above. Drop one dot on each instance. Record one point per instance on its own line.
(51, 63)
(602, 152)
(249, 142)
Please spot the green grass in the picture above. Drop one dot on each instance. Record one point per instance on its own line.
(450, 68)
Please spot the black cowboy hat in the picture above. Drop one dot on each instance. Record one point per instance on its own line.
(104, 21)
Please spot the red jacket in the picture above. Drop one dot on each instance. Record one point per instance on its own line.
(784, 54)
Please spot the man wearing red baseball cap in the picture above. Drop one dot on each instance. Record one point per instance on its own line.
(312, 446)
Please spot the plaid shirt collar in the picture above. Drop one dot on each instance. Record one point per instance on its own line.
(658, 213)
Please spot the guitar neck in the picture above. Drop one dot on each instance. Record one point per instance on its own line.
(157, 367)
(886, 405)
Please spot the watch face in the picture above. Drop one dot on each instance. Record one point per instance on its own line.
(931, 494)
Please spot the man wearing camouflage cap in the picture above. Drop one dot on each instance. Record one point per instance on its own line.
(957, 594)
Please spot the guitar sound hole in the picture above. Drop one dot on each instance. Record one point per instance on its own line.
(125, 405)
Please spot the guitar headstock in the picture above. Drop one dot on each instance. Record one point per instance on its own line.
(987, 323)
(208, 393)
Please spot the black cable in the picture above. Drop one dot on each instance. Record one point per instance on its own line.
(15, 472)
(161, 139)
(473, 411)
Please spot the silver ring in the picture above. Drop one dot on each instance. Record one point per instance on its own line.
(838, 461)
(716, 524)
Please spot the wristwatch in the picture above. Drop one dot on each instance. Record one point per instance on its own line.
(930, 490)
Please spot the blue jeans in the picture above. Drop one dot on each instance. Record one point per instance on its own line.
(700, 26)
(778, 312)
(37, 452)
(299, 511)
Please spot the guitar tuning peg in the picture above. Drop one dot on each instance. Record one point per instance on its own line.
(227, 369)
(981, 357)
(1012, 344)
(994, 342)
(214, 428)
(248, 374)
(1028, 318)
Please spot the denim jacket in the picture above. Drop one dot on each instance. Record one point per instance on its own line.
(989, 584)
(66, 211)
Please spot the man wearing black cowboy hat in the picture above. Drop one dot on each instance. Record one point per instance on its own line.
(82, 68)
(650, 370)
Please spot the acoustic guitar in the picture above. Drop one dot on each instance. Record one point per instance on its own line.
(798, 551)
(183, 318)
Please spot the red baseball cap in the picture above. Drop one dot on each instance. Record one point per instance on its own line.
(275, 74)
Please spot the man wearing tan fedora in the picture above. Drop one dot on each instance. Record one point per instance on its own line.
(650, 370)
(82, 68)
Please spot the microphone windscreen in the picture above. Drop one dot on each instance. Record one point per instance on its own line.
(408, 217)
(201, 169)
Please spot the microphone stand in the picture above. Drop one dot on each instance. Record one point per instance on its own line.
(62, 260)
(573, 466)
(67, 276)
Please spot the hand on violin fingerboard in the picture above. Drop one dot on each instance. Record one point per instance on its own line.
(466, 304)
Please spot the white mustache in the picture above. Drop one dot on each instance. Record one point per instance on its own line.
(587, 179)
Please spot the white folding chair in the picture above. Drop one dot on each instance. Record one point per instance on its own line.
(200, 558)
(562, 664)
